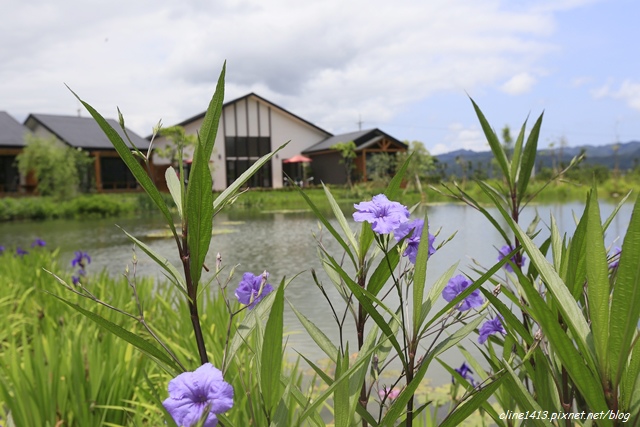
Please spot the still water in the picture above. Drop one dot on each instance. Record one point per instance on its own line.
(284, 244)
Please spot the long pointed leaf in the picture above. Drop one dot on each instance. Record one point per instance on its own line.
(492, 139)
(598, 285)
(131, 161)
(199, 204)
(271, 358)
(528, 158)
(625, 302)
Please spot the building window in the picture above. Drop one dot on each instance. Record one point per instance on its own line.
(241, 153)
(9, 175)
(116, 174)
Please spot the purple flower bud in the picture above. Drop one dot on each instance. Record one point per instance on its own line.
(455, 287)
(414, 228)
(38, 242)
(466, 373)
(504, 251)
(490, 327)
(252, 289)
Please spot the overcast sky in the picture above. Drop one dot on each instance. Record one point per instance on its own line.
(404, 66)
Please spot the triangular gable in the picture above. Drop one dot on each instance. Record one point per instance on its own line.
(262, 100)
(363, 139)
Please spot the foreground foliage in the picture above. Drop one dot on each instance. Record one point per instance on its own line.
(558, 336)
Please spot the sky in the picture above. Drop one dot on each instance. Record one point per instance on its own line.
(407, 67)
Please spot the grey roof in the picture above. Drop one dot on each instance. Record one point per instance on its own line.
(82, 131)
(11, 131)
(362, 139)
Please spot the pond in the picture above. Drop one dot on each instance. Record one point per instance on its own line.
(283, 244)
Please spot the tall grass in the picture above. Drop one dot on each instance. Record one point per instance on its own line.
(57, 367)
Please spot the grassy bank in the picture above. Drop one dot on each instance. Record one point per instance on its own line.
(119, 204)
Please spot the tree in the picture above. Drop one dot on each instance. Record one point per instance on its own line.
(347, 151)
(422, 167)
(380, 167)
(507, 141)
(55, 165)
(177, 142)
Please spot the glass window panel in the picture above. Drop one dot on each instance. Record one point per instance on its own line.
(241, 146)
(230, 146)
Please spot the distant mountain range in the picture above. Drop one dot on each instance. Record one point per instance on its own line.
(627, 158)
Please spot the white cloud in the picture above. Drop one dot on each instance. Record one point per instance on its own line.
(459, 137)
(326, 61)
(628, 91)
(519, 84)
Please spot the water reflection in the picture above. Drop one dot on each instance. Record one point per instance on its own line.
(284, 244)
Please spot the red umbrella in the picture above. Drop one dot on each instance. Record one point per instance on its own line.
(298, 158)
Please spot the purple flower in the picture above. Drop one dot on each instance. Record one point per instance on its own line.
(392, 394)
(615, 258)
(81, 258)
(383, 215)
(249, 289)
(490, 327)
(504, 251)
(194, 394)
(1, 249)
(455, 287)
(21, 252)
(38, 242)
(415, 228)
(466, 373)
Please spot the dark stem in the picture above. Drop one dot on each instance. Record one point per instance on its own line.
(360, 331)
(192, 292)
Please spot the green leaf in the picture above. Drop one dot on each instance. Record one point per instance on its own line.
(625, 300)
(517, 153)
(337, 212)
(132, 163)
(341, 408)
(435, 292)
(319, 400)
(174, 275)
(494, 143)
(200, 204)
(579, 365)
(577, 274)
(393, 189)
(175, 187)
(144, 346)
(462, 412)
(598, 284)
(317, 335)
(420, 277)
(366, 299)
(249, 324)
(567, 306)
(399, 404)
(383, 271)
(526, 401)
(528, 159)
(327, 224)
(271, 358)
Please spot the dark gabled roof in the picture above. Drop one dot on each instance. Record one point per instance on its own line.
(11, 131)
(242, 98)
(82, 132)
(362, 139)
